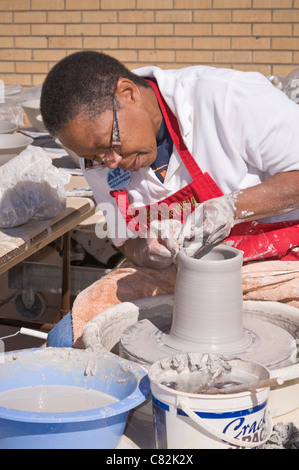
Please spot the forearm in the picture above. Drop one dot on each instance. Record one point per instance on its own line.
(278, 195)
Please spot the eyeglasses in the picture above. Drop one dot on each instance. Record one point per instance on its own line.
(115, 144)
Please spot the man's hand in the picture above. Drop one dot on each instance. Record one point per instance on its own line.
(209, 223)
(147, 253)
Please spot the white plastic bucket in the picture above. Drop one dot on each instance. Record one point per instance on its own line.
(185, 420)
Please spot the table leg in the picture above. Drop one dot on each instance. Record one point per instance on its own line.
(66, 292)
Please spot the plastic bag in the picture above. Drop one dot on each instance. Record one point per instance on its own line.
(288, 85)
(30, 187)
(11, 103)
(277, 80)
(32, 93)
(291, 86)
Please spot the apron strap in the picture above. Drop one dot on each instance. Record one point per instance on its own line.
(174, 131)
(122, 201)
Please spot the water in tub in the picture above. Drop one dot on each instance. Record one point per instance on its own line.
(196, 383)
(54, 399)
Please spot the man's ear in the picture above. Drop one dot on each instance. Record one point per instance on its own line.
(127, 91)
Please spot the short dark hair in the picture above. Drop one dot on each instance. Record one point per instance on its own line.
(83, 82)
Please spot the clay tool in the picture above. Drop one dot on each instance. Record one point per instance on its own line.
(205, 249)
(247, 387)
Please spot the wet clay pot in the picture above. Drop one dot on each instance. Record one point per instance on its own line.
(208, 301)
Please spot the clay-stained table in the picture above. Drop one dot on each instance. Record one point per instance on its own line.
(18, 243)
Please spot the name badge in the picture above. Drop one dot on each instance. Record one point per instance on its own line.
(118, 178)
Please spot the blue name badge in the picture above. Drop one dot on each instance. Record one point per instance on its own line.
(118, 178)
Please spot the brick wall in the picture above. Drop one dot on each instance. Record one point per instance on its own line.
(258, 35)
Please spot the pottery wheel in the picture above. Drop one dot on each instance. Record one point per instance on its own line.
(264, 342)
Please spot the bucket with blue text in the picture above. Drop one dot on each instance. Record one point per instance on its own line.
(186, 417)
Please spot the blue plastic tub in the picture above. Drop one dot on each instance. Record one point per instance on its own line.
(99, 428)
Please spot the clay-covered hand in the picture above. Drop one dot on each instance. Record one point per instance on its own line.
(163, 241)
(159, 253)
(209, 223)
(148, 252)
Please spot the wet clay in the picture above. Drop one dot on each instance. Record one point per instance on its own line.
(203, 373)
(208, 301)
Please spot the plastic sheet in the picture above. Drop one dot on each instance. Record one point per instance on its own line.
(291, 86)
(11, 103)
(288, 85)
(30, 187)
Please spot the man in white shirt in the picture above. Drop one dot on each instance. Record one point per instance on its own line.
(221, 143)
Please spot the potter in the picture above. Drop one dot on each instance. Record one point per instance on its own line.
(194, 134)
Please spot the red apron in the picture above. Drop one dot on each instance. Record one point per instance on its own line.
(256, 240)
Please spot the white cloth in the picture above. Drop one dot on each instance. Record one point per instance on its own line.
(237, 125)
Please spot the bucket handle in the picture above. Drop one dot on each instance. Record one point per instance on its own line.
(224, 437)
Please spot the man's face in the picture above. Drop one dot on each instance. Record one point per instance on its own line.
(92, 138)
